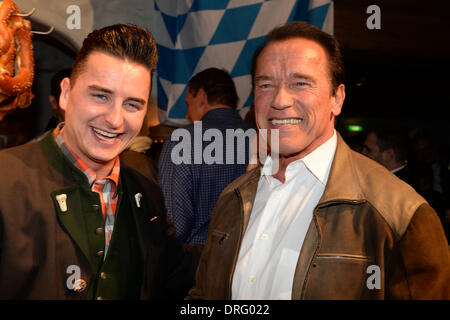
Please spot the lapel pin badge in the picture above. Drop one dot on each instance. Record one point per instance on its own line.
(138, 197)
(62, 201)
(79, 285)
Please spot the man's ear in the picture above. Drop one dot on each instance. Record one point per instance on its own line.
(65, 90)
(338, 100)
(203, 98)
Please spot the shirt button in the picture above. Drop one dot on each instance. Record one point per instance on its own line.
(277, 194)
(103, 276)
(264, 236)
(100, 253)
(95, 207)
(252, 279)
(99, 231)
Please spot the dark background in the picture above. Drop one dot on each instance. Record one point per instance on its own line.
(398, 74)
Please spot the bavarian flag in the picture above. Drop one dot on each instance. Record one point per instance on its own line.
(193, 35)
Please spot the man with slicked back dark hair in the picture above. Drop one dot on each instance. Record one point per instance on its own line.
(76, 223)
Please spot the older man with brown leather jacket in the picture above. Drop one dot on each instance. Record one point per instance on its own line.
(317, 220)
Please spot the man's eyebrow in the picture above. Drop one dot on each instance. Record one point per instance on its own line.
(98, 88)
(104, 90)
(297, 75)
(138, 100)
(262, 78)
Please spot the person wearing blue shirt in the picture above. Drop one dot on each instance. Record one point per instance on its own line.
(191, 187)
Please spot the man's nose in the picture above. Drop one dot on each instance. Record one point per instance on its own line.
(282, 99)
(114, 116)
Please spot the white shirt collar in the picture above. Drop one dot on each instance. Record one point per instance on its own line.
(317, 162)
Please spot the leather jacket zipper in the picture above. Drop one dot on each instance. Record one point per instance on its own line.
(314, 220)
(230, 280)
(344, 256)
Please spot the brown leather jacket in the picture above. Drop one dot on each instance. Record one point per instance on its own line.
(365, 217)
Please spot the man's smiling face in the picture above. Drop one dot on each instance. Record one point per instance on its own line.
(293, 95)
(105, 107)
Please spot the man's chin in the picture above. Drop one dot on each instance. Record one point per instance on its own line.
(104, 158)
(288, 151)
(288, 146)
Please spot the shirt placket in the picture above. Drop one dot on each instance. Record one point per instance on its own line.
(264, 235)
(101, 187)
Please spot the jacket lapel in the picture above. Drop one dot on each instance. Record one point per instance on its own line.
(136, 199)
(248, 193)
(337, 189)
(343, 182)
(70, 215)
(142, 226)
(309, 248)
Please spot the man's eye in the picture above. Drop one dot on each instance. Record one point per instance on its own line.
(133, 105)
(100, 97)
(300, 84)
(264, 85)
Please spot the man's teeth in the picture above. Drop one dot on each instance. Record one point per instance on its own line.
(103, 134)
(286, 121)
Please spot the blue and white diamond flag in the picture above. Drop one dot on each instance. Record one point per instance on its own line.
(193, 35)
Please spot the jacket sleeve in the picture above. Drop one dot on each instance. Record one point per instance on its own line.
(169, 266)
(179, 265)
(181, 269)
(420, 265)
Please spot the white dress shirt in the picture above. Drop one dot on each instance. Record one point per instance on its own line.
(280, 218)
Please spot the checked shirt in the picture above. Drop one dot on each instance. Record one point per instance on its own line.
(106, 188)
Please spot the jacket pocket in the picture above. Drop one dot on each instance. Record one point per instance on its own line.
(345, 256)
(219, 236)
(341, 276)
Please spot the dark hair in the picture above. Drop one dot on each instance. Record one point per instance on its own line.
(299, 29)
(55, 88)
(392, 137)
(126, 41)
(218, 85)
